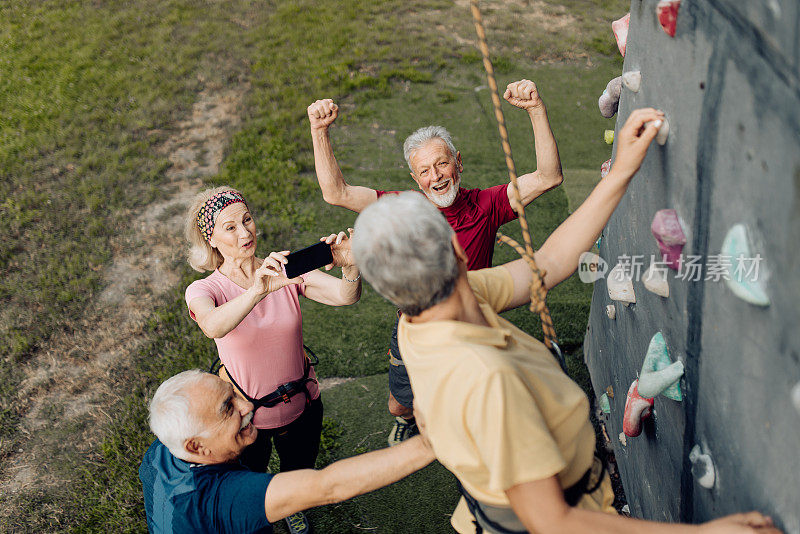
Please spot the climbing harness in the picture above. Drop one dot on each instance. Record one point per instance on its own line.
(538, 289)
(283, 393)
(497, 520)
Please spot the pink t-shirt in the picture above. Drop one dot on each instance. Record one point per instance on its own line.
(475, 217)
(266, 349)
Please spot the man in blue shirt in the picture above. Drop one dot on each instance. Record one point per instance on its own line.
(194, 483)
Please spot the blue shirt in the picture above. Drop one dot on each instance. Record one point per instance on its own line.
(180, 497)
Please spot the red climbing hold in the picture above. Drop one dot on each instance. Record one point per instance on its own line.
(636, 409)
(620, 29)
(667, 11)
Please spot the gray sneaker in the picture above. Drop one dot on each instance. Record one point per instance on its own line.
(402, 430)
(298, 524)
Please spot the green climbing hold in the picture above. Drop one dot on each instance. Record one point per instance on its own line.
(605, 404)
(742, 268)
(659, 374)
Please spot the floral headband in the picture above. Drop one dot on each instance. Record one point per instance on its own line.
(208, 212)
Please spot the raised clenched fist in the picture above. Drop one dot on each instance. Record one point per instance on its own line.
(523, 94)
(322, 113)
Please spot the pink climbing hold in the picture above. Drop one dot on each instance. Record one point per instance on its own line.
(605, 168)
(620, 29)
(667, 11)
(609, 100)
(636, 409)
(667, 230)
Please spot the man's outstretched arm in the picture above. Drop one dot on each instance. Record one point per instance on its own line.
(559, 254)
(335, 190)
(294, 491)
(524, 95)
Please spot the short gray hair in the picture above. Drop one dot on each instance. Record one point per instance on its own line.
(172, 418)
(402, 244)
(422, 136)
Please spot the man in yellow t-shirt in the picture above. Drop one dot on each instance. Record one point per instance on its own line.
(498, 401)
(496, 407)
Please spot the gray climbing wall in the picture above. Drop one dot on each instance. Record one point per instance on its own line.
(729, 82)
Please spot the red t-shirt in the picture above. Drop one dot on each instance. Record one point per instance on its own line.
(475, 217)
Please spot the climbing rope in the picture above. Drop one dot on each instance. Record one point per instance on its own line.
(538, 289)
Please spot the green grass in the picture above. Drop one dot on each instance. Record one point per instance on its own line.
(88, 90)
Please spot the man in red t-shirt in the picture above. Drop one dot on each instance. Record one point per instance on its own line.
(474, 214)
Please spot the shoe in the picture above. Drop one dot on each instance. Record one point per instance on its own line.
(298, 524)
(402, 430)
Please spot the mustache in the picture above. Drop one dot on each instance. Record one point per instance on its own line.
(246, 420)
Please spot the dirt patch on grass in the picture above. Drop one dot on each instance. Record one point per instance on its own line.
(68, 381)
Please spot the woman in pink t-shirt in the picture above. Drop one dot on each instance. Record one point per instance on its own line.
(252, 311)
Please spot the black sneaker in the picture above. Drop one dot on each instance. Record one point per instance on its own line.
(402, 430)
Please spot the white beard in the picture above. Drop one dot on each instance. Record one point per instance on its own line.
(446, 200)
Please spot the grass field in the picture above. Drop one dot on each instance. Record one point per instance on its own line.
(88, 94)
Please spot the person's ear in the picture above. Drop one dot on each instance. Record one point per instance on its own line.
(458, 161)
(194, 446)
(460, 254)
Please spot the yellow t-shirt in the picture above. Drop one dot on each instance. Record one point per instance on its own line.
(498, 409)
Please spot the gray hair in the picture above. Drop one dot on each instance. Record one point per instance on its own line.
(172, 419)
(422, 136)
(402, 244)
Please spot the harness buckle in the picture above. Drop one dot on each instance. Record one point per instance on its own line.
(284, 391)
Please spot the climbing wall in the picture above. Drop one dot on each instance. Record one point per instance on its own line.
(725, 187)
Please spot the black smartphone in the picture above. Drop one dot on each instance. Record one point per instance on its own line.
(307, 259)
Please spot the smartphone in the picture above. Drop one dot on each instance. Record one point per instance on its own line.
(307, 259)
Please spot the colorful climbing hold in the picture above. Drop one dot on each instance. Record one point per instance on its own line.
(620, 29)
(742, 269)
(608, 137)
(620, 284)
(605, 168)
(702, 467)
(632, 80)
(609, 100)
(659, 374)
(667, 230)
(655, 280)
(611, 311)
(636, 409)
(667, 12)
(605, 404)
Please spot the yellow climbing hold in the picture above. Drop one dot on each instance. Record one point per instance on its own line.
(608, 136)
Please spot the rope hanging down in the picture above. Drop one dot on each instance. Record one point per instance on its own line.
(538, 289)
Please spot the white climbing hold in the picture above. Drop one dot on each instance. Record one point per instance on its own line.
(632, 80)
(796, 397)
(702, 467)
(663, 131)
(655, 280)
(620, 284)
(611, 311)
(623, 439)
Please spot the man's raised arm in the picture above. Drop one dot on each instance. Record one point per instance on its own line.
(559, 254)
(335, 190)
(524, 95)
(294, 491)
